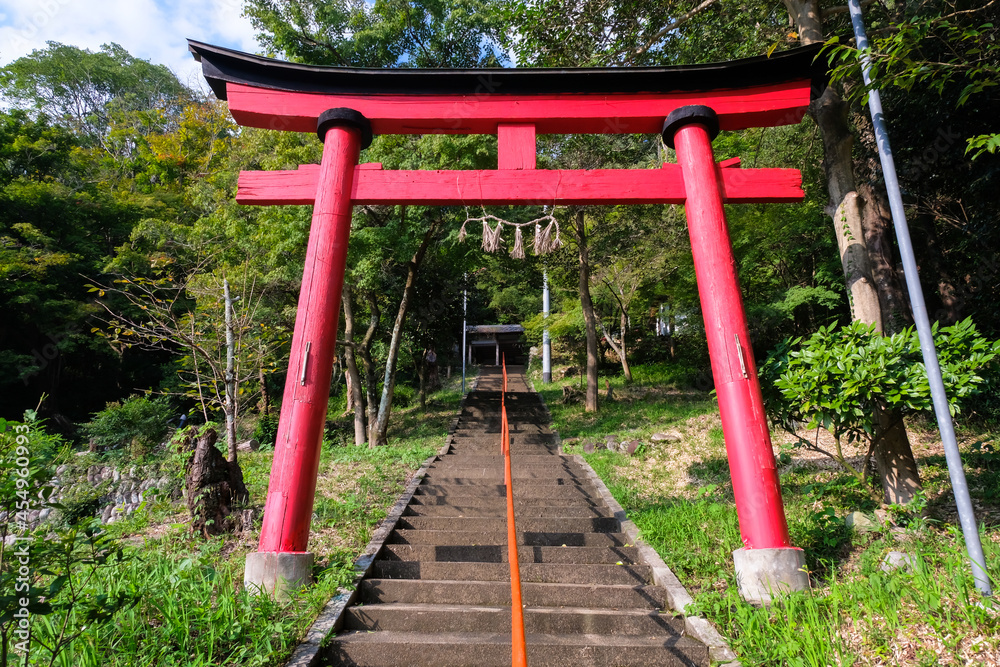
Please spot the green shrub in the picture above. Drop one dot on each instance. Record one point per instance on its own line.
(844, 379)
(403, 396)
(266, 431)
(81, 503)
(138, 424)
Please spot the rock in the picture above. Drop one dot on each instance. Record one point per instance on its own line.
(631, 446)
(667, 436)
(570, 441)
(250, 445)
(589, 447)
(116, 476)
(61, 469)
(861, 522)
(570, 371)
(898, 560)
(106, 514)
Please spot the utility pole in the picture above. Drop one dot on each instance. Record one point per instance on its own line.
(465, 309)
(546, 342)
(966, 513)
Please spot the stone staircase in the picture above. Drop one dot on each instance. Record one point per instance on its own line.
(439, 593)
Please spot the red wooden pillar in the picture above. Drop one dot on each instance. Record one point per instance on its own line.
(282, 559)
(756, 487)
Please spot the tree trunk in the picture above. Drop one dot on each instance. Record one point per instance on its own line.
(355, 397)
(671, 322)
(878, 229)
(624, 353)
(877, 223)
(620, 351)
(422, 374)
(365, 351)
(265, 395)
(589, 317)
(894, 456)
(897, 468)
(948, 300)
(230, 405)
(389, 383)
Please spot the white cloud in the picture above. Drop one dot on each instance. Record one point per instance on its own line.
(155, 30)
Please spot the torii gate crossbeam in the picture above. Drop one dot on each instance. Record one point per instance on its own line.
(688, 105)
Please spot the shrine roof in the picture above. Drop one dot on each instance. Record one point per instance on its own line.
(494, 328)
(221, 66)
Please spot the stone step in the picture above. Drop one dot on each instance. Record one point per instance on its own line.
(496, 468)
(442, 480)
(492, 593)
(460, 649)
(523, 460)
(497, 553)
(528, 539)
(520, 491)
(499, 500)
(497, 476)
(498, 509)
(556, 524)
(539, 573)
(408, 617)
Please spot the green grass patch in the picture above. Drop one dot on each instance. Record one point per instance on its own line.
(186, 602)
(927, 614)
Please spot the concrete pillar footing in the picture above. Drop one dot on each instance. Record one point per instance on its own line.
(277, 573)
(763, 573)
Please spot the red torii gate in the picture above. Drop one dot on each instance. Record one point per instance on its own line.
(688, 105)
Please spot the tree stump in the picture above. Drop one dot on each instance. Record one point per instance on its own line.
(214, 486)
(571, 394)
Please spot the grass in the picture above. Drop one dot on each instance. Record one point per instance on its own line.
(190, 608)
(679, 494)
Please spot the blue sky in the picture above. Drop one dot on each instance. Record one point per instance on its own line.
(154, 30)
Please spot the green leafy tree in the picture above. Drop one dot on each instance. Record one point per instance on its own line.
(82, 89)
(385, 33)
(846, 379)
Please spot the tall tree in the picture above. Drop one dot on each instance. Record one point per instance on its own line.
(83, 89)
(862, 226)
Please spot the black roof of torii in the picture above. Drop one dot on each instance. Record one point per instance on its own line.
(221, 66)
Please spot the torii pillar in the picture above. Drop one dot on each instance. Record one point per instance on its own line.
(282, 562)
(767, 563)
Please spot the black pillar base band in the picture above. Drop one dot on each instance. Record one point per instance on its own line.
(694, 113)
(344, 116)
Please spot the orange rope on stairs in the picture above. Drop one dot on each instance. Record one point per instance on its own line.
(518, 648)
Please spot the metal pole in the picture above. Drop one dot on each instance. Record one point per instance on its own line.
(546, 342)
(960, 487)
(465, 308)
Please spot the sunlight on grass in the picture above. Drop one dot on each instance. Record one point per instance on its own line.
(857, 614)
